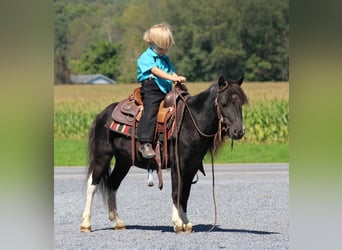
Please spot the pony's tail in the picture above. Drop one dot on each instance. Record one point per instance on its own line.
(91, 158)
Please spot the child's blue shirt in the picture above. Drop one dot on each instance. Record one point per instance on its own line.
(150, 59)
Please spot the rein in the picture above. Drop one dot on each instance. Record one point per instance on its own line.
(213, 191)
(218, 134)
(194, 121)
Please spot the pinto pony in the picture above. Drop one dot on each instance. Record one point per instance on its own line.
(207, 118)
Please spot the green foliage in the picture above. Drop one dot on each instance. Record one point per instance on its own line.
(264, 36)
(72, 124)
(61, 43)
(102, 57)
(267, 122)
(257, 68)
(221, 37)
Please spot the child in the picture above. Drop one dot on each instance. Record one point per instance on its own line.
(156, 74)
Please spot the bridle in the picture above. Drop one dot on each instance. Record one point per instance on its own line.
(225, 127)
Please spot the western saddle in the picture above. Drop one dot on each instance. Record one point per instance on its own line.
(126, 116)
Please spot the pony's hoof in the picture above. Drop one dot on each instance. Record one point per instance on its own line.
(85, 229)
(120, 227)
(184, 228)
(188, 228)
(178, 229)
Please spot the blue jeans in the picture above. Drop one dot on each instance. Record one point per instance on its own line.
(151, 96)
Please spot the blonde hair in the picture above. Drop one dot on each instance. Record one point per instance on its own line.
(159, 35)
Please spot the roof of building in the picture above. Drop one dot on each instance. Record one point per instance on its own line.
(91, 79)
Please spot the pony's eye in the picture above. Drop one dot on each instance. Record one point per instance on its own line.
(236, 99)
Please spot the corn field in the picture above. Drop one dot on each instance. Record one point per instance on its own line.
(266, 117)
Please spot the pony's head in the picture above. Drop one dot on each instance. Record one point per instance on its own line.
(229, 101)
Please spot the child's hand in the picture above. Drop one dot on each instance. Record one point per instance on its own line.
(180, 84)
(180, 79)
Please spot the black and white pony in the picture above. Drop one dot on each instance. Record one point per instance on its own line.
(207, 118)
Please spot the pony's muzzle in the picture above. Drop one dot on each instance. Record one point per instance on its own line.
(237, 132)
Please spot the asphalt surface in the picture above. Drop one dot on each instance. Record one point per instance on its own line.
(252, 211)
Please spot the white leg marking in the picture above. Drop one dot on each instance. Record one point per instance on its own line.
(113, 212)
(150, 178)
(86, 225)
(175, 216)
(180, 221)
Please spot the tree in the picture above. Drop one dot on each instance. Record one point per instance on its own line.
(264, 38)
(102, 57)
(60, 42)
(221, 37)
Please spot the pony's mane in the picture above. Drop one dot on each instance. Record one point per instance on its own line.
(234, 88)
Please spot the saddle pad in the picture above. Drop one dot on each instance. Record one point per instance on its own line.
(120, 128)
(125, 129)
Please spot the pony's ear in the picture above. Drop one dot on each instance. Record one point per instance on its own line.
(240, 80)
(221, 81)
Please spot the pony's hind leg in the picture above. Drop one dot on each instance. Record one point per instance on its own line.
(86, 225)
(100, 153)
(113, 212)
(118, 174)
(98, 174)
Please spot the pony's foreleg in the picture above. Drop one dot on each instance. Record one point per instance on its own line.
(113, 212)
(180, 221)
(86, 225)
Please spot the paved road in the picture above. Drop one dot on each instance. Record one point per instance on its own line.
(252, 210)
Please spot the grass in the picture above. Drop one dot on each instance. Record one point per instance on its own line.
(70, 152)
(74, 153)
(251, 153)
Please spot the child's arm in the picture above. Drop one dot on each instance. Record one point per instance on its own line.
(162, 74)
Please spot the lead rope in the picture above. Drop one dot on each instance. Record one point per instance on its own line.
(217, 137)
(177, 156)
(213, 190)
